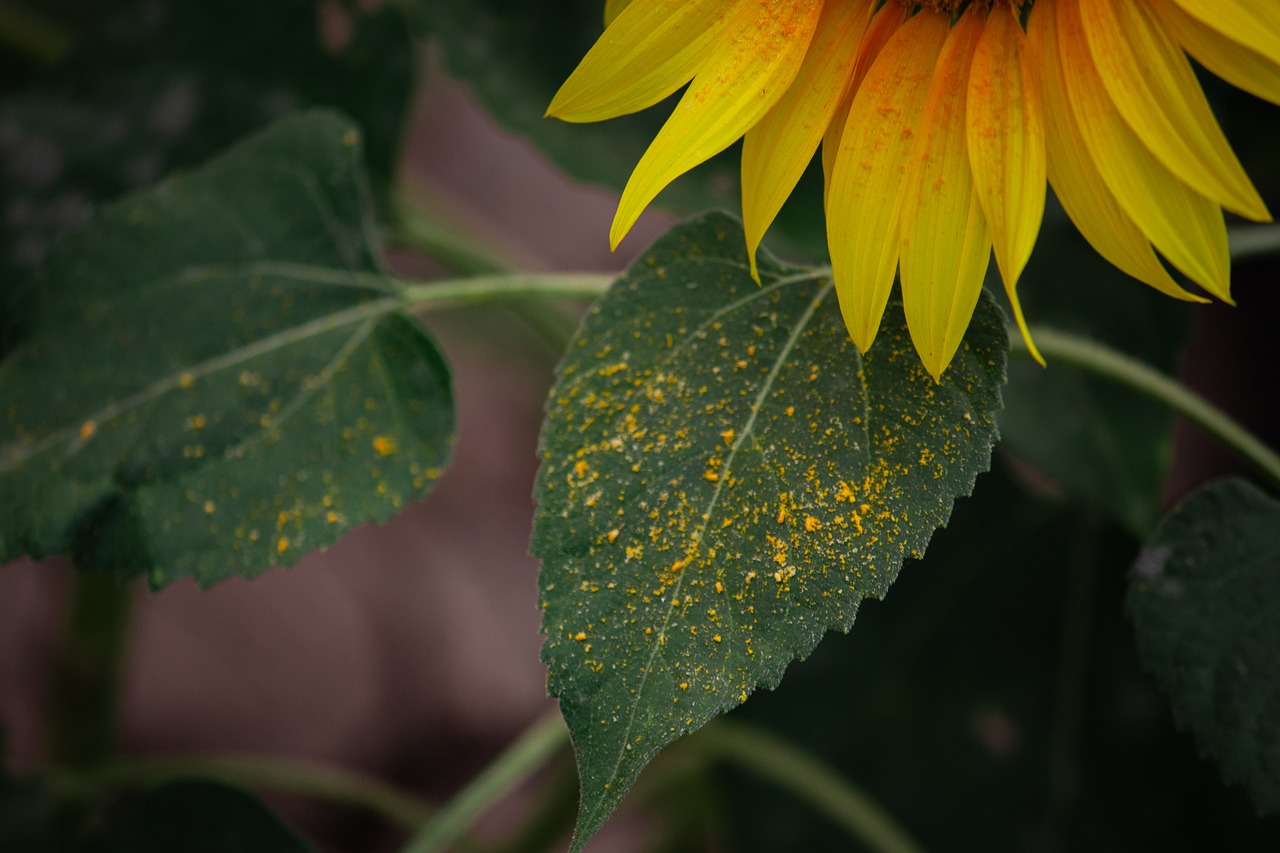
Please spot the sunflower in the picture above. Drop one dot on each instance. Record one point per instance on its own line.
(940, 123)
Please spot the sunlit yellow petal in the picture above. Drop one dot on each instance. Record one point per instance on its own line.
(613, 8)
(751, 68)
(651, 50)
(776, 151)
(1076, 181)
(1156, 92)
(945, 243)
(1186, 227)
(1005, 135)
(883, 25)
(1233, 62)
(1252, 23)
(864, 201)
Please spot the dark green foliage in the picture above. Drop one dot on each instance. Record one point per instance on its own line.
(1205, 600)
(724, 479)
(214, 377)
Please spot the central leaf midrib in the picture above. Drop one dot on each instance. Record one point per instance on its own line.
(262, 346)
(766, 386)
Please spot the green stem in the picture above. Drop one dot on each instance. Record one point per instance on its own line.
(84, 696)
(1119, 367)
(414, 230)
(808, 778)
(529, 752)
(1248, 241)
(458, 292)
(271, 774)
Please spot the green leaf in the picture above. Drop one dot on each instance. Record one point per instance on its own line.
(171, 83)
(1101, 443)
(1205, 601)
(214, 377)
(725, 478)
(194, 816)
(515, 54)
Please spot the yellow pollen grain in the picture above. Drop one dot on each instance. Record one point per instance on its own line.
(87, 430)
(728, 436)
(719, 587)
(684, 685)
(384, 445)
(716, 638)
(186, 379)
(282, 545)
(811, 524)
(209, 507)
(581, 636)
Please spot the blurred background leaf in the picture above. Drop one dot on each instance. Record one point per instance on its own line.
(150, 86)
(214, 377)
(1205, 600)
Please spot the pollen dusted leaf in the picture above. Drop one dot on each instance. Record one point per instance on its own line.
(725, 478)
(1205, 601)
(213, 377)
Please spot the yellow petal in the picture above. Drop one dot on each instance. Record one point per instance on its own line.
(613, 8)
(1240, 66)
(776, 151)
(751, 67)
(651, 50)
(1074, 178)
(1156, 92)
(945, 243)
(1005, 135)
(884, 23)
(864, 200)
(1252, 23)
(1186, 227)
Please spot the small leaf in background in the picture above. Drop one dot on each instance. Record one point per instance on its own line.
(1205, 601)
(172, 82)
(515, 54)
(193, 816)
(213, 376)
(725, 478)
(1100, 442)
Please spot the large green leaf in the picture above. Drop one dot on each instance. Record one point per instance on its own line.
(515, 54)
(1098, 441)
(725, 478)
(194, 816)
(213, 376)
(170, 83)
(1205, 600)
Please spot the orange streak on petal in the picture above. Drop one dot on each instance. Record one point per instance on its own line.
(1185, 226)
(946, 246)
(776, 151)
(1006, 137)
(751, 68)
(884, 23)
(1156, 92)
(865, 195)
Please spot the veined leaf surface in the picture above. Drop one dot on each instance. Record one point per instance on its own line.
(724, 479)
(213, 377)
